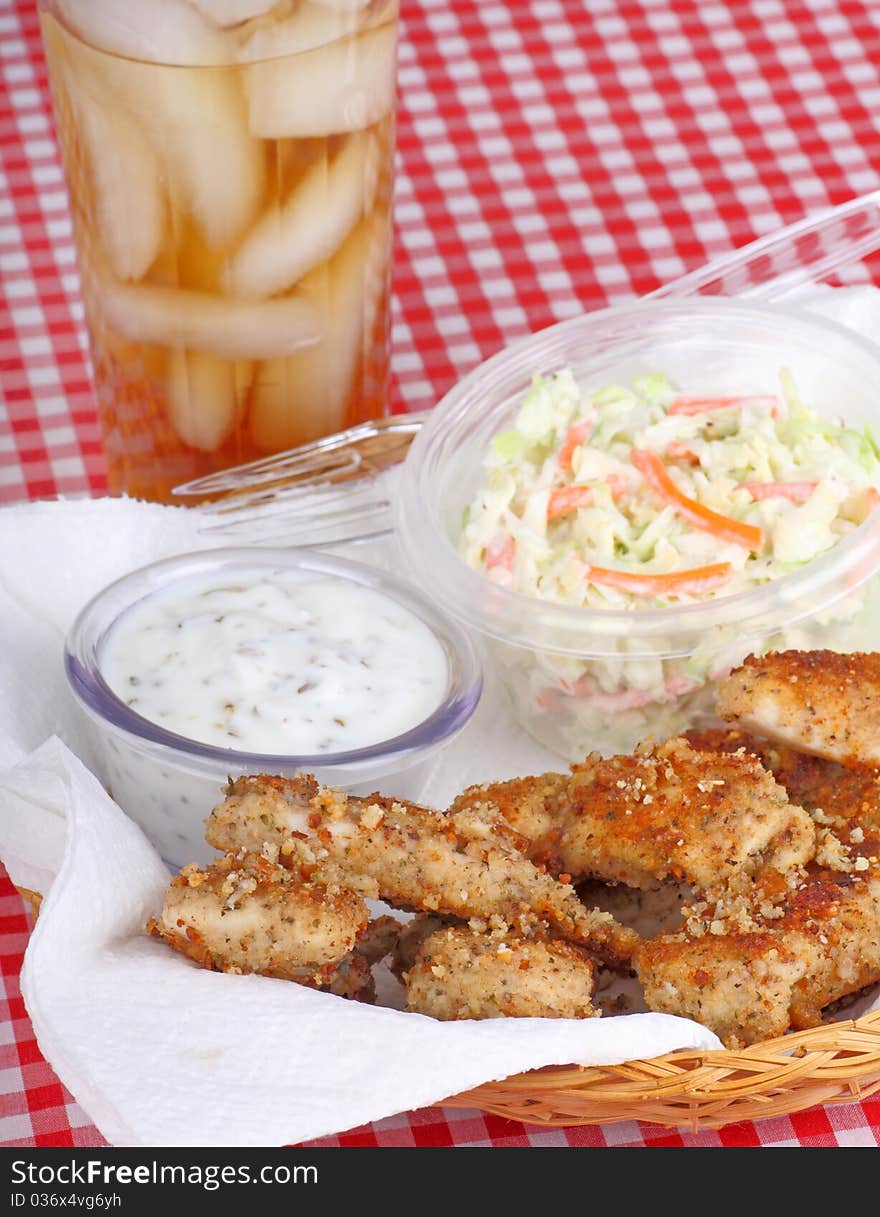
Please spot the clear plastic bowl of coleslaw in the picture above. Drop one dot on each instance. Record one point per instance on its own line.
(583, 679)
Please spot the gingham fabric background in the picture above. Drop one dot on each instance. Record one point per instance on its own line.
(554, 155)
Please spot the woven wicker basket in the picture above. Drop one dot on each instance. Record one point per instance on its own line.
(836, 1063)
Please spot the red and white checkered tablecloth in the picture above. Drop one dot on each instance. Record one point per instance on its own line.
(554, 155)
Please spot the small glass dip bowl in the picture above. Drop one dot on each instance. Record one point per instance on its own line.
(168, 783)
(580, 678)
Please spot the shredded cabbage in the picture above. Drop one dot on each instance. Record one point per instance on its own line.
(565, 510)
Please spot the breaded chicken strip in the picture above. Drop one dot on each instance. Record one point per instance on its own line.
(817, 701)
(467, 865)
(738, 985)
(245, 913)
(831, 793)
(666, 813)
(749, 976)
(672, 813)
(460, 973)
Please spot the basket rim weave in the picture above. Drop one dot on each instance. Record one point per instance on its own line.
(838, 1062)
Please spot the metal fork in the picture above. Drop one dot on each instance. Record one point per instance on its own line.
(340, 488)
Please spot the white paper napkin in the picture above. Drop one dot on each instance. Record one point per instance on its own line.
(158, 1051)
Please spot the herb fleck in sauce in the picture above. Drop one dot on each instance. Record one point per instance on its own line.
(286, 664)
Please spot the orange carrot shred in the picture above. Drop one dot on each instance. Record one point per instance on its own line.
(724, 528)
(677, 451)
(501, 553)
(567, 499)
(796, 492)
(577, 435)
(699, 579)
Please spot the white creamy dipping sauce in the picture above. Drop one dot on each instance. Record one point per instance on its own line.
(276, 661)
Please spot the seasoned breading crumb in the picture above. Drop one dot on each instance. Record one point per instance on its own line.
(831, 852)
(236, 886)
(372, 816)
(743, 911)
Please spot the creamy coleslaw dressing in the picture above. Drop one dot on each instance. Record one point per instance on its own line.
(276, 662)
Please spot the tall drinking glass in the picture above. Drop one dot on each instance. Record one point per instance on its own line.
(229, 164)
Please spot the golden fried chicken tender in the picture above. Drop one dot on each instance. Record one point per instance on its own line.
(666, 813)
(466, 865)
(749, 974)
(669, 812)
(739, 986)
(817, 701)
(844, 910)
(830, 792)
(245, 913)
(462, 973)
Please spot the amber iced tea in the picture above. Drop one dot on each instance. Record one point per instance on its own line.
(232, 215)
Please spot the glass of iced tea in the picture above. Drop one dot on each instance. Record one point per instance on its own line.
(230, 165)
